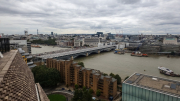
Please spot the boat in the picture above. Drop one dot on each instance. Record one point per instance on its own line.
(35, 46)
(167, 71)
(117, 51)
(139, 54)
(136, 53)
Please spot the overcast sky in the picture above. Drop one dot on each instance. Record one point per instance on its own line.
(90, 16)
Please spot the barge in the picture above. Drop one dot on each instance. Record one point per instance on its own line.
(139, 54)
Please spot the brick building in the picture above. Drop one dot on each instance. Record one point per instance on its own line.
(72, 73)
(17, 80)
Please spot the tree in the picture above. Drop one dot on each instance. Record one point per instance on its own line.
(118, 78)
(86, 96)
(105, 74)
(126, 78)
(98, 93)
(76, 86)
(111, 74)
(82, 95)
(91, 91)
(77, 95)
(46, 77)
(81, 64)
(84, 88)
(48, 42)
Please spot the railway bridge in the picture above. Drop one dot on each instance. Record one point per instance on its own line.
(75, 53)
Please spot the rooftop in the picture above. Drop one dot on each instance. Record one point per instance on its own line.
(5, 62)
(156, 84)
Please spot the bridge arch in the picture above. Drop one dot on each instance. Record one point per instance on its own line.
(91, 52)
(75, 56)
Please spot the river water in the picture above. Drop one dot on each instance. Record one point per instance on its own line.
(44, 49)
(124, 65)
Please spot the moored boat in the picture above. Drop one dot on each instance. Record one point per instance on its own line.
(167, 71)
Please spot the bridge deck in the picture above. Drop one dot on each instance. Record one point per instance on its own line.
(72, 52)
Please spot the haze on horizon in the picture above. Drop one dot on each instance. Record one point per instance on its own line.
(88, 17)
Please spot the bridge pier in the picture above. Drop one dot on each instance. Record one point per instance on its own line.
(87, 54)
(72, 58)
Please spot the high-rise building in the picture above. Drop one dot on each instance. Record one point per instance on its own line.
(26, 32)
(51, 33)
(140, 87)
(72, 73)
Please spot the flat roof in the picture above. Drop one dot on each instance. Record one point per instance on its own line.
(157, 84)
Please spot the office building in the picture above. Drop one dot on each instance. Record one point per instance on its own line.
(17, 80)
(4, 45)
(140, 87)
(65, 43)
(51, 33)
(170, 40)
(26, 46)
(72, 73)
(25, 32)
(90, 41)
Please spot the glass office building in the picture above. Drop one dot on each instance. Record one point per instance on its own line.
(140, 87)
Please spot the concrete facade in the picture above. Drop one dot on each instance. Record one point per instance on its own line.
(141, 87)
(72, 73)
(170, 40)
(90, 42)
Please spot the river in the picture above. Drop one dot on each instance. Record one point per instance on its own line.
(45, 49)
(124, 65)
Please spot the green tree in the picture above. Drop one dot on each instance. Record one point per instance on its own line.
(48, 42)
(47, 77)
(81, 64)
(91, 91)
(126, 78)
(118, 78)
(77, 95)
(84, 88)
(105, 74)
(98, 93)
(87, 96)
(82, 95)
(76, 86)
(111, 74)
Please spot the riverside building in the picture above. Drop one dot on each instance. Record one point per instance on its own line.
(72, 73)
(140, 87)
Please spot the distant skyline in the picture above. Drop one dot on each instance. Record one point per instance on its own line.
(89, 17)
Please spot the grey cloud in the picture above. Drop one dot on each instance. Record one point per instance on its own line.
(127, 15)
(130, 1)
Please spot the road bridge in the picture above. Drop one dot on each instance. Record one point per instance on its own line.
(75, 53)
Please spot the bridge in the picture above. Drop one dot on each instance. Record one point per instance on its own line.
(75, 53)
